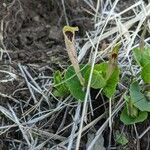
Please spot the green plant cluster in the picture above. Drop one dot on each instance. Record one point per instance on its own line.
(105, 76)
(138, 100)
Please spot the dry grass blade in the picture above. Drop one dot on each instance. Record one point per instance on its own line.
(101, 129)
(90, 78)
(113, 30)
(16, 120)
(74, 127)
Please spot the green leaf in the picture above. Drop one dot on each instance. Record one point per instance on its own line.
(97, 81)
(137, 53)
(145, 73)
(120, 138)
(58, 93)
(112, 82)
(73, 83)
(101, 68)
(57, 77)
(138, 98)
(128, 120)
(142, 56)
(131, 109)
(145, 57)
(60, 89)
(108, 85)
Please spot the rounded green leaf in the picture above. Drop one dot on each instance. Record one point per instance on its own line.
(109, 85)
(73, 83)
(145, 73)
(139, 100)
(101, 68)
(127, 120)
(97, 81)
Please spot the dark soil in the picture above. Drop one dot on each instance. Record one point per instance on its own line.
(32, 34)
(33, 30)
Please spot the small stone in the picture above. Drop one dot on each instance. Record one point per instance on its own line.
(4, 4)
(36, 18)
